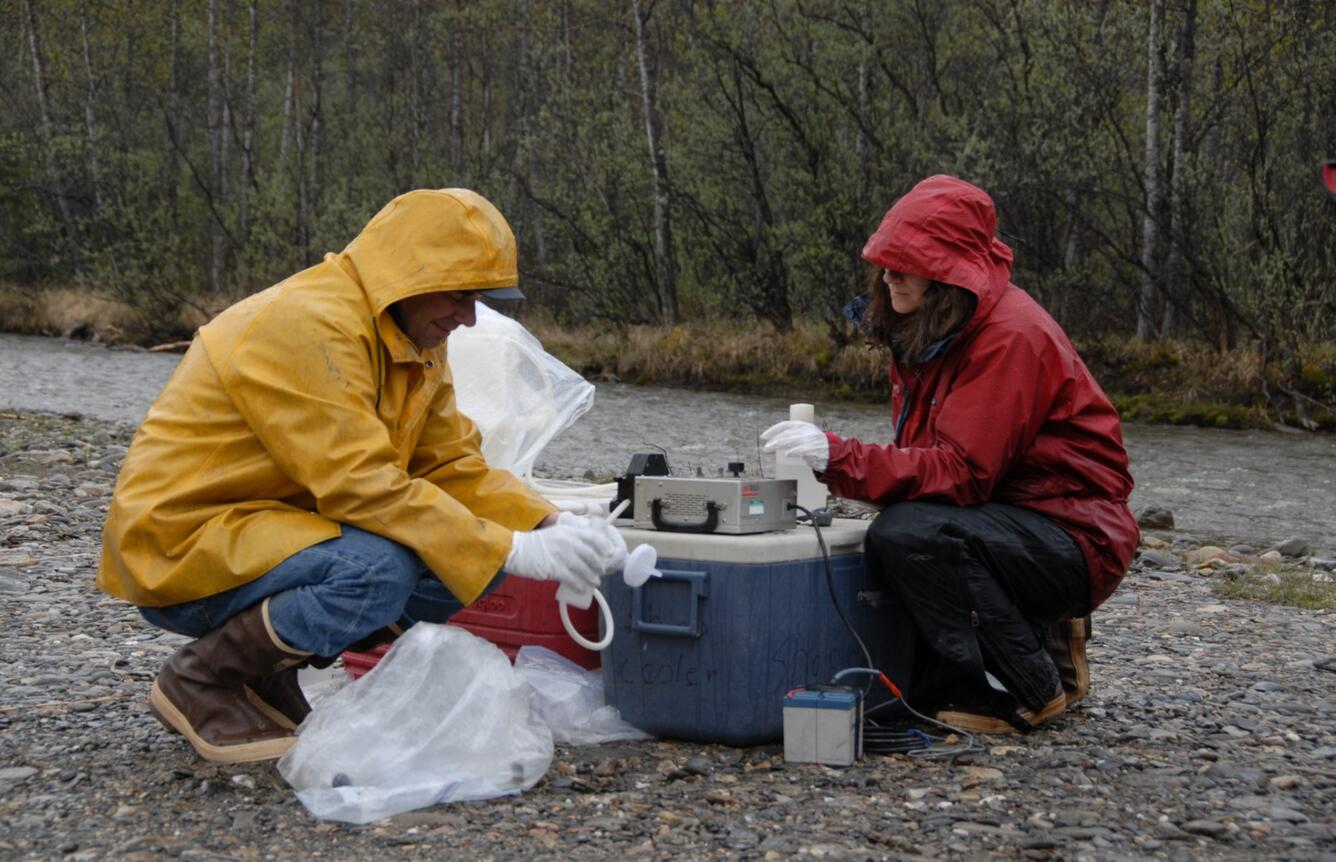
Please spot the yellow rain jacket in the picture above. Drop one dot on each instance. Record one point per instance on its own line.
(305, 407)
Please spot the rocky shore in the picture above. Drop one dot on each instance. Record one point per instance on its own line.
(1210, 733)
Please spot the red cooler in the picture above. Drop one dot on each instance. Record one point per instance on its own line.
(520, 612)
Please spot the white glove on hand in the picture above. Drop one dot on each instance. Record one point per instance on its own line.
(591, 508)
(615, 555)
(795, 439)
(571, 554)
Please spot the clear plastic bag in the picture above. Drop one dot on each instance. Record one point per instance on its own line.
(518, 394)
(443, 717)
(570, 699)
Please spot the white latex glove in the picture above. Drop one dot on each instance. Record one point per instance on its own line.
(795, 439)
(591, 508)
(615, 555)
(571, 554)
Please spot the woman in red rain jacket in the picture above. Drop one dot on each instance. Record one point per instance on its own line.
(1005, 485)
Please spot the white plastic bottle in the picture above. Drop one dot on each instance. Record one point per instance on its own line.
(811, 493)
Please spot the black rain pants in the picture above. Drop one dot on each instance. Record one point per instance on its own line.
(969, 590)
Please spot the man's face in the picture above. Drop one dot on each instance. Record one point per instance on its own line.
(429, 318)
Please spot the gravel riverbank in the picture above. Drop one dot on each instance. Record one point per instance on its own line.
(1210, 732)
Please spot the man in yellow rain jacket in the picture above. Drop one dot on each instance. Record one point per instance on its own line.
(305, 483)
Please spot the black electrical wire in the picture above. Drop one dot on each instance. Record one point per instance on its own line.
(830, 581)
(970, 744)
(881, 740)
(915, 742)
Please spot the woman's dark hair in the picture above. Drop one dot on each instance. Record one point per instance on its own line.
(945, 308)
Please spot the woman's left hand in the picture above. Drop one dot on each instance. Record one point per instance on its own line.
(793, 438)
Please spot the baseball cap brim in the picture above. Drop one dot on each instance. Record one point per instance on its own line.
(502, 293)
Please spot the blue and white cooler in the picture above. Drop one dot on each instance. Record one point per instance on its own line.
(708, 651)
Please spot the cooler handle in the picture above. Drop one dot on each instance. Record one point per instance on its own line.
(699, 582)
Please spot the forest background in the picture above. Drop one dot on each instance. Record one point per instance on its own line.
(690, 181)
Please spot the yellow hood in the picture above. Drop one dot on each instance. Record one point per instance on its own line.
(304, 407)
(432, 240)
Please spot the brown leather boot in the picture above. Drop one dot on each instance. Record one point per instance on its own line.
(981, 722)
(280, 697)
(201, 690)
(1067, 645)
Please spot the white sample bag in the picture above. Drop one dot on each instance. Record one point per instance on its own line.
(570, 699)
(443, 717)
(518, 394)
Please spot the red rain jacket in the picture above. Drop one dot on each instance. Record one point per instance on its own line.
(1008, 413)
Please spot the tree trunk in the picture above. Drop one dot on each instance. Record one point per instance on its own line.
(1149, 228)
(215, 125)
(531, 214)
(457, 94)
(486, 144)
(416, 110)
(225, 138)
(289, 99)
(1071, 262)
(316, 143)
(48, 135)
(1186, 48)
(173, 112)
(350, 54)
(663, 228)
(248, 131)
(90, 114)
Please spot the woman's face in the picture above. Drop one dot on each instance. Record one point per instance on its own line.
(906, 290)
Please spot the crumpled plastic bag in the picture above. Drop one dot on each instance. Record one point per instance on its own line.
(518, 394)
(443, 717)
(570, 699)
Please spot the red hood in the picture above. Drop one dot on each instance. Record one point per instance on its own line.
(944, 229)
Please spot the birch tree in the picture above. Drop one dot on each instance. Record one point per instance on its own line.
(665, 265)
(1184, 52)
(248, 180)
(90, 112)
(1149, 224)
(54, 179)
(215, 126)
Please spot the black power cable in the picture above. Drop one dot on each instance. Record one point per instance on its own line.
(878, 738)
(830, 582)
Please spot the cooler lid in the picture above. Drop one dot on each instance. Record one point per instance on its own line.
(844, 536)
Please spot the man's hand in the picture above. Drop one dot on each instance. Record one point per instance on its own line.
(615, 556)
(573, 554)
(796, 439)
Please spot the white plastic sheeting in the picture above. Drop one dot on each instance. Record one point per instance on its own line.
(518, 394)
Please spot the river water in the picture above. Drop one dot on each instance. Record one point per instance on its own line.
(1260, 486)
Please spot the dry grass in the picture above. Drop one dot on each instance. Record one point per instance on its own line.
(1180, 383)
(716, 354)
(66, 311)
(1190, 383)
(77, 313)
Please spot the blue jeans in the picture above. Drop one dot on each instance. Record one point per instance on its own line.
(328, 596)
